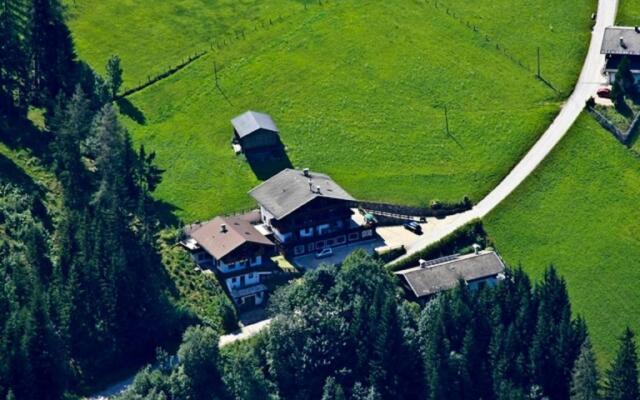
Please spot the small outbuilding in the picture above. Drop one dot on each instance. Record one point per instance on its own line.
(254, 131)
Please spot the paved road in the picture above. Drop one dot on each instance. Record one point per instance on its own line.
(434, 230)
(590, 79)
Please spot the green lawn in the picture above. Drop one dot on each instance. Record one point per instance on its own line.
(628, 13)
(579, 212)
(357, 89)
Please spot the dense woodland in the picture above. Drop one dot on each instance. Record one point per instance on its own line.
(83, 290)
(346, 333)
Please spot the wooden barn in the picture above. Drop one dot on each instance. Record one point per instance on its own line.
(255, 131)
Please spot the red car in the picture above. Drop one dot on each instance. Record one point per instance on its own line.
(604, 92)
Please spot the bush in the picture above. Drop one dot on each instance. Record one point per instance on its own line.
(458, 241)
(390, 254)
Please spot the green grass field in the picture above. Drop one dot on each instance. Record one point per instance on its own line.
(579, 212)
(628, 12)
(356, 94)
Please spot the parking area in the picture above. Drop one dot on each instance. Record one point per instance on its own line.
(309, 261)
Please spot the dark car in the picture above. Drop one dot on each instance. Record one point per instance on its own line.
(604, 92)
(413, 226)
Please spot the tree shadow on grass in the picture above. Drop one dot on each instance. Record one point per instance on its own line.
(166, 213)
(20, 133)
(130, 110)
(265, 163)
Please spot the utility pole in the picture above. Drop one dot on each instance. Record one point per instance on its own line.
(539, 76)
(446, 119)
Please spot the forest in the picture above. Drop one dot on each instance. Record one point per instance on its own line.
(346, 333)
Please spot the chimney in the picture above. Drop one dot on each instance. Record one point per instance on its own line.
(622, 42)
(223, 228)
(310, 185)
(306, 172)
(637, 29)
(423, 263)
(476, 248)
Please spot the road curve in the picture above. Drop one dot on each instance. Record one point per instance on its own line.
(588, 82)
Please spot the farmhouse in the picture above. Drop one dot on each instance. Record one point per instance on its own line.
(620, 42)
(307, 212)
(255, 131)
(431, 277)
(237, 252)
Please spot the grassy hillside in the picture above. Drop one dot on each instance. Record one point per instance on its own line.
(579, 212)
(359, 95)
(152, 36)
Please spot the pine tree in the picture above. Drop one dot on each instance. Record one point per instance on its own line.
(622, 376)
(332, 390)
(51, 50)
(13, 63)
(71, 124)
(585, 380)
(114, 75)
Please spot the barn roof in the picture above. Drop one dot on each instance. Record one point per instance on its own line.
(445, 273)
(219, 244)
(630, 40)
(291, 189)
(251, 121)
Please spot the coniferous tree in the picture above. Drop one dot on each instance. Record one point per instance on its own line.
(622, 376)
(114, 75)
(332, 390)
(51, 50)
(585, 381)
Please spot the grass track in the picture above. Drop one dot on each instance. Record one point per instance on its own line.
(578, 211)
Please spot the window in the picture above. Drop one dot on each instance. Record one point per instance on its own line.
(298, 250)
(341, 240)
(306, 232)
(367, 233)
(354, 236)
(311, 247)
(322, 229)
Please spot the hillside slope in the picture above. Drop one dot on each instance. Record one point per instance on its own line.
(578, 212)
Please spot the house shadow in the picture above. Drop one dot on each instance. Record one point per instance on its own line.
(267, 162)
(130, 110)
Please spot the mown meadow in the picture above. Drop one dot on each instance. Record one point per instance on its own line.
(578, 212)
(358, 89)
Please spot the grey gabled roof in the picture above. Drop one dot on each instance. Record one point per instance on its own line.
(251, 121)
(611, 41)
(426, 281)
(290, 189)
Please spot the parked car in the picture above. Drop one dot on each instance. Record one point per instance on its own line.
(604, 92)
(326, 252)
(413, 226)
